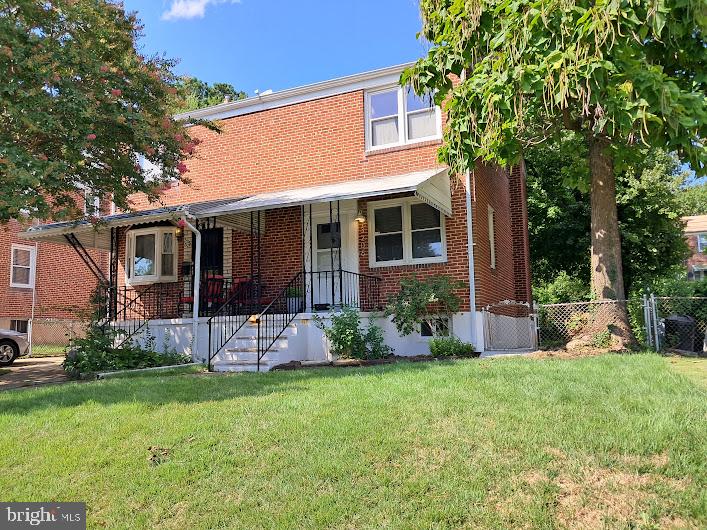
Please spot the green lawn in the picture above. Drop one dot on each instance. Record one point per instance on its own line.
(694, 368)
(614, 441)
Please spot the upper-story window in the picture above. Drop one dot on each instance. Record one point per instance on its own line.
(397, 116)
(91, 203)
(701, 242)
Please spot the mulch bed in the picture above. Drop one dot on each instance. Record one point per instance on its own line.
(347, 363)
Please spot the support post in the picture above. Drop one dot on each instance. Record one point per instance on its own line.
(196, 294)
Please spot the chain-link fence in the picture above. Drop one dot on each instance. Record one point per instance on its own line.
(48, 336)
(661, 323)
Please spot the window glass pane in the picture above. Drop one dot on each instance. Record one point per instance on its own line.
(702, 241)
(426, 329)
(167, 265)
(21, 257)
(427, 244)
(144, 255)
(167, 243)
(20, 275)
(422, 124)
(424, 216)
(384, 104)
(389, 247)
(388, 219)
(442, 327)
(385, 131)
(328, 235)
(415, 102)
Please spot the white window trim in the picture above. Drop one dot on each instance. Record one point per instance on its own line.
(699, 245)
(32, 265)
(130, 256)
(492, 237)
(405, 203)
(402, 120)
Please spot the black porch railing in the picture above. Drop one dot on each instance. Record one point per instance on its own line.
(332, 289)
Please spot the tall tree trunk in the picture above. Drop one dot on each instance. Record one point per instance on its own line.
(607, 272)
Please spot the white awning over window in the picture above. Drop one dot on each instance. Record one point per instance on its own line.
(432, 186)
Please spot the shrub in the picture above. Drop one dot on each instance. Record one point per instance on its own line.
(601, 339)
(349, 341)
(451, 347)
(97, 352)
(423, 300)
(562, 289)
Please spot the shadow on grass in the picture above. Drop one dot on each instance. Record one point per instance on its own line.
(185, 389)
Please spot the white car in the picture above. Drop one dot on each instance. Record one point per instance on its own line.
(12, 345)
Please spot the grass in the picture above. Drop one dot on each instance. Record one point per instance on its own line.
(613, 441)
(693, 367)
(48, 350)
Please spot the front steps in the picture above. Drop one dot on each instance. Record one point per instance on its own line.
(241, 352)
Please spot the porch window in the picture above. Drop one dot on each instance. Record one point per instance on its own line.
(397, 116)
(22, 266)
(151, 255)
(405, 231)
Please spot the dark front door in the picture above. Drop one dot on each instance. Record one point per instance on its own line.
(211, 252)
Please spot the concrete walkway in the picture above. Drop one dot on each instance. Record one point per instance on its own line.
(26, 372)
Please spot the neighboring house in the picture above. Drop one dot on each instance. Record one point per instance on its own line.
(47, 280)
(696, 234)
(310, 199)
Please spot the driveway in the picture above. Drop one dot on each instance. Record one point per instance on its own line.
(25, 372)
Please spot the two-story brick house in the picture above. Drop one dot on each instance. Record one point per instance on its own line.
(696, 235)
(310, 199)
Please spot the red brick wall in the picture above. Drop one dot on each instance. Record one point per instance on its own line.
(63, 282)
(456, 266)
(697, 258)
(519, 227)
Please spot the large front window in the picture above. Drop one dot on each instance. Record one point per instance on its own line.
(405, 231)
(397, 116)
(151, 255)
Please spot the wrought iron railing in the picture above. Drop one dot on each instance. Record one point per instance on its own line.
(331, 289)
(279, 314)
(232, 315)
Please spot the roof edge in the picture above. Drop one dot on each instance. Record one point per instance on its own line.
(339, 85)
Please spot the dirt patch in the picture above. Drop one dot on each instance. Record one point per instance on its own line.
(32, 371)
(562, 353)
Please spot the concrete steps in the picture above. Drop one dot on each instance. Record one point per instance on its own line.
(241, 352)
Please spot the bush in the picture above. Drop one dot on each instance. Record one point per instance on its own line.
(562, 289)
(349, 341)
(451, 347)
(97, 353)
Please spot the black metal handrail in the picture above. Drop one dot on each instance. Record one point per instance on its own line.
(277, 316)
(232, 315)
(338, 288)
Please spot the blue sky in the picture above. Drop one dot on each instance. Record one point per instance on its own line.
(277, 44)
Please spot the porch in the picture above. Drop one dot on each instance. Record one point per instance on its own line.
(264, 264)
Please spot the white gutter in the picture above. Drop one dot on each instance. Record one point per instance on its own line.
(197, 285)
(470, 246)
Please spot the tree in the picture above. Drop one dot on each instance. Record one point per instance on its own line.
(649, 212)
(618, 72)
(693, 199)
(194, 94)
(81, 108)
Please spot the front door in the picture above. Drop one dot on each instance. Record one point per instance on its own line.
(334, 259)
(211, 252)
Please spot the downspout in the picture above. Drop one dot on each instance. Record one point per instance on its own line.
(196, 287)
(470, 245)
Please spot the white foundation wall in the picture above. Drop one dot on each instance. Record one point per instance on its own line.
(309, 342)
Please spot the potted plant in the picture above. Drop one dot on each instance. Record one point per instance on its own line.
(295, 300)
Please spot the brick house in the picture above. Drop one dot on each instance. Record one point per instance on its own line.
(310, 199)
(696, 234)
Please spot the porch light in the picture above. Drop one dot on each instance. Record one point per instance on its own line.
(361, 216)
(179, 232)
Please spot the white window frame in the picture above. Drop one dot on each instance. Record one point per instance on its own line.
(700, 247)
(32, 265)
(402, 120)
(492, 237)
(130, 256)
(405, 203)
(87, 194)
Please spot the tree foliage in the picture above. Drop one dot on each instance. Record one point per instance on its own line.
(194, 94)
(693, 199)
(80, 108)
(631, 71)
(649, 211)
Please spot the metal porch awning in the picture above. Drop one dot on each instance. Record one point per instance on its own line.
(431, 186)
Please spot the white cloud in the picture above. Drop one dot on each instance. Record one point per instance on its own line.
(191, 8)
